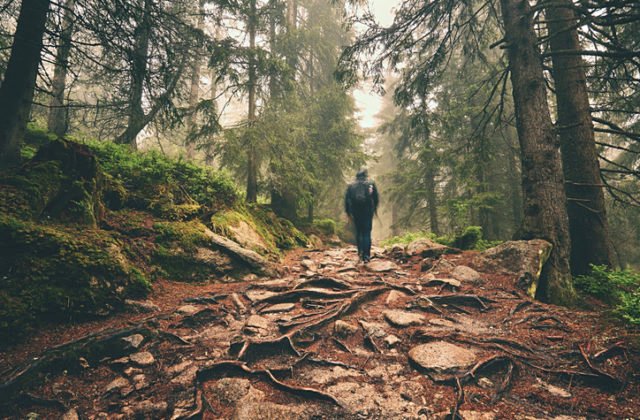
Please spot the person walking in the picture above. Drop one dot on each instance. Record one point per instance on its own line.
(361, 203)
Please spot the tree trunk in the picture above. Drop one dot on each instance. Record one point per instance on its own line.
(252, 166)
(586, 207)
(292, 51)
(16, 91)
(194, 93)
(139, 56)
(545, 212)
(432, 202)
(273, 82)
(515, 188)
(58, 118)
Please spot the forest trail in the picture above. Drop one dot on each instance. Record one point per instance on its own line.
(331, 338)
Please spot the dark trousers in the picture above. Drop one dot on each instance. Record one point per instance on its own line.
(363, 235)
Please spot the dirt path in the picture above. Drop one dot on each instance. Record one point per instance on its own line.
(332, 339)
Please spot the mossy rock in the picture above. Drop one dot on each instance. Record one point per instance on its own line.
(258, 229)
(184, 253)
(57, 273)
(62, 182)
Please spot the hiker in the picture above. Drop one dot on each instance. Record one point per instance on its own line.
(361, 203)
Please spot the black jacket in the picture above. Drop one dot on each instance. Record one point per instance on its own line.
(368, 207)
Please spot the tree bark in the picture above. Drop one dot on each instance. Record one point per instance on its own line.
(58, 118)
(432, 202)
(545, 212)
(194, 92)
(586, 207)
(252, 166)
(139, 56)
(16, 91)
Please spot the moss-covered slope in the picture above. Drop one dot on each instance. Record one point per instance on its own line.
(85, 226)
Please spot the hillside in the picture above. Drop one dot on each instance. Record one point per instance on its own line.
(90, 228)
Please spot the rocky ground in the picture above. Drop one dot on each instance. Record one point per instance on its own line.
(424, 332)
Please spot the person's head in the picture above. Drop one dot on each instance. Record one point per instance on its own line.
(362, 174)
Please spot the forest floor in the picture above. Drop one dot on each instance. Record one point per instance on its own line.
(332, 339)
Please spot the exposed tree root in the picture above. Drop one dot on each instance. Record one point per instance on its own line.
(459, 299)
(614, 382)
(209, 372)
(66, 356)
(323, 282)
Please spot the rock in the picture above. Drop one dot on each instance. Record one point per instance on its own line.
(391, 340)
(116, 385)
(259, 325)
(524, 259)
(441, 322)
(268, 410)
(403, 319)
(256, 295)
(251, 258)
(149, 409)
(438, 282)
(280, 307)
(141, 306)
(486, 383)
(374, 329)
(140, 382)
(247, 236)
(442, 266)
(187, 377)
(347, 267)
(180, 367)
(395, 251)
(215, 259)
(309, 264)
(344, 329)
(466, 274)
(231, 390)
(393, 297)
(553, 390)
(380, 266)
(477, 415)
(315, 242)
(325, 375)
(131, 371)
(71, 415)
(32, 416)
(440, 358)
(187, 309)
(426, 248)
(134, 340)
(143, 358)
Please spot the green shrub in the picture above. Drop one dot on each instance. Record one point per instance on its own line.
(620, 288)
(326, 226)
(468, 239)
(407, 238)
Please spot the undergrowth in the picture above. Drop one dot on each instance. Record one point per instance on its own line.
(469, 238)
(618, 288)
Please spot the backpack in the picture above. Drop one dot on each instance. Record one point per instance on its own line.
(362, 192)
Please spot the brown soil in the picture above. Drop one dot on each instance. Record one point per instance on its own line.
(542, 361)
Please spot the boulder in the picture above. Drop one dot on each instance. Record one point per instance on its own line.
(402, 318)
(426, 248)
(523, 259)
(344, 329)
(251, 258)
(143, 358)
(381, 266)
(466, 274)
(441, 359)
(246, 235)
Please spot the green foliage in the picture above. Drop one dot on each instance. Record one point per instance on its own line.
(55, 272)
(326, 226)
(620, 288)
(160, 182)
(469, 239)
(407, 238)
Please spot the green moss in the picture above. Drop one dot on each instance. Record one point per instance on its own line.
(186, 235)
(326, 226)
(56, 273)
(277, 233)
